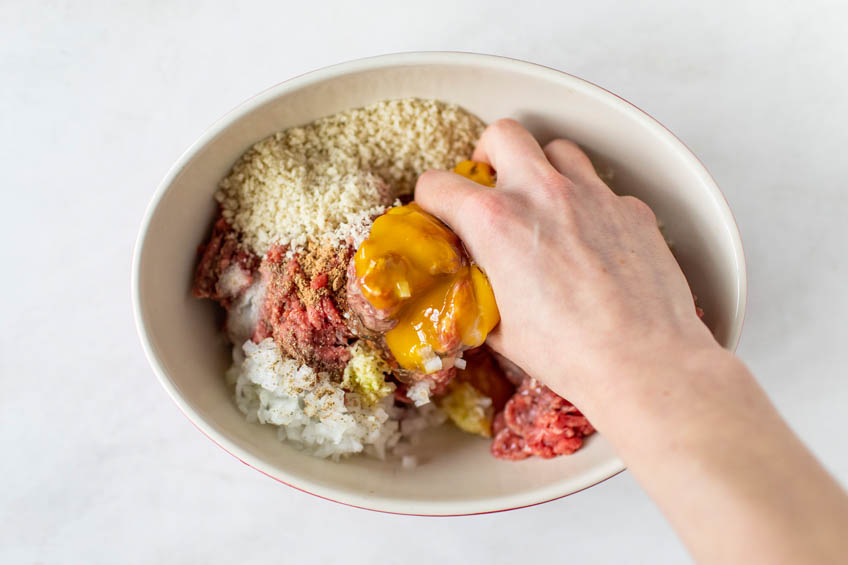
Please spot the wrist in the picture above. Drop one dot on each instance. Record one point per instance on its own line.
(658, 386)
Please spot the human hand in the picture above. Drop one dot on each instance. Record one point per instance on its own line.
(583, 278)
(593, 303)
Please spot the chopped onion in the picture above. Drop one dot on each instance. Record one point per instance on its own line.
(419, 393)
(460, 363)
(432, 364)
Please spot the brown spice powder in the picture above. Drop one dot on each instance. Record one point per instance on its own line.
(322, 273)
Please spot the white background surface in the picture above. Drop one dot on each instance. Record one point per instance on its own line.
(98, 466)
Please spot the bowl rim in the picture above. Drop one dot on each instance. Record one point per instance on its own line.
(419, 58)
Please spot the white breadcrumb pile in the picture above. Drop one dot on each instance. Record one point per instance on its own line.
(330, 178)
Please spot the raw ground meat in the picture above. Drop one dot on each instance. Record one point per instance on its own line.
(536, 421)
(303, 305)
(226, 268)
(303, 299)
(371, 322)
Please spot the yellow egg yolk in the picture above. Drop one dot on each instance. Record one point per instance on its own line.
(415, 268)
(481, 173)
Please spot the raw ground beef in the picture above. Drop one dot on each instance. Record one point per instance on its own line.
(370, 321)
(536, 421)
(226, 267)
(304, 302)
(303, 299)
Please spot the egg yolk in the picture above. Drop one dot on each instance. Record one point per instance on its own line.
(481, 173)
(415, 268)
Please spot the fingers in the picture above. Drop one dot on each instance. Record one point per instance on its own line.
(570, 161)
(513, 152)
(444, 194)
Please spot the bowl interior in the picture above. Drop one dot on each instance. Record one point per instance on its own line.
(456, 474)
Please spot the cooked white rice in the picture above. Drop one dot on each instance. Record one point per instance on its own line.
(313, 412)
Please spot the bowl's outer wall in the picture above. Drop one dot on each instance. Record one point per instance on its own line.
(457, 474)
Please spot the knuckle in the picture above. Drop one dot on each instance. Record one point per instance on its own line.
(544, 174)
(640, 209)
(554, 186)
(553, 181)
(559, 145)
(489, 206)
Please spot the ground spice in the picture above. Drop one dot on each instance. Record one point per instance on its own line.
(322, 273)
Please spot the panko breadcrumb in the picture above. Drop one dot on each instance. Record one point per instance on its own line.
(327, 179)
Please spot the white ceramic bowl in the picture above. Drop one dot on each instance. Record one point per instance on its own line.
(457, 474)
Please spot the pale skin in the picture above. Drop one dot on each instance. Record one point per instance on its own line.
(594, 304)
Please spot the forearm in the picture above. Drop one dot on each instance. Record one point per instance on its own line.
(687, 418)
(704, 441)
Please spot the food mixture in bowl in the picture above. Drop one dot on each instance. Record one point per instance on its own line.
(357, 319)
